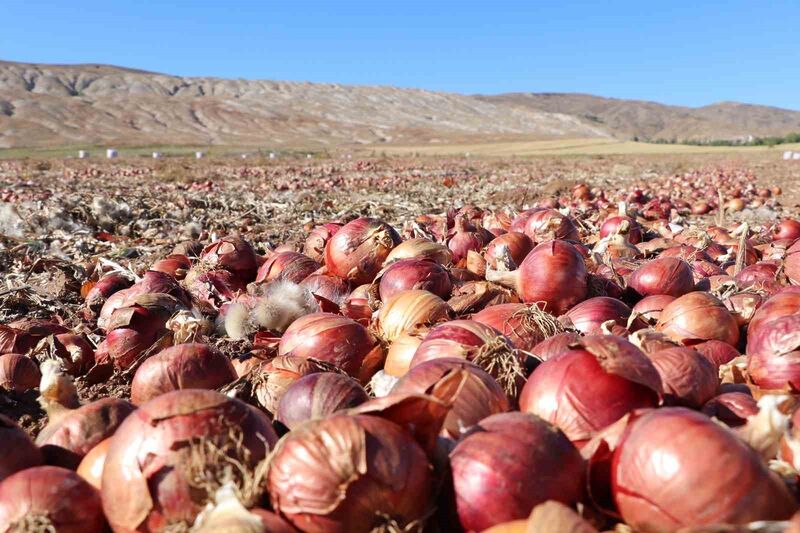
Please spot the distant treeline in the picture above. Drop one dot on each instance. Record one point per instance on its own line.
(755, 141)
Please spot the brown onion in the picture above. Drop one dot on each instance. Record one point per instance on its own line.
(184, 366)
(667, 454)
(358, 250)
(349, 473)
(291, 266)
(271, 379)
(421, 248)
(234, 254)
(665, 275)
(151, 470)
(19, 451)
(317, 396)
(409, 310)
(500, 468)
(401, 351)
(50, 498)
(18, 373)
(314, 246)
(698, 317)
(731, 408)
(414, 273)
(687, 378)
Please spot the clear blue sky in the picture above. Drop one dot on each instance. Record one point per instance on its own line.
(688, 53)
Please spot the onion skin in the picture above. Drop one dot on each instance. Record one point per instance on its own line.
(668, 453)
(774, 353)
(91, 466)
(415, 273)
(334, 339)
(74, 352)
(698, 317)
(184, 366)
(73, 436)
(782, 304)
(18, 373)
(291, 266)
(687, 378)
(650, 307)
(554, 273)
(612, 225)
(591, 386)
(718, 352)
(341, 473)
(478, 397)
(176, 265)
(318, 238)
(409, 310)
(421, 248)
(62, 497)
(331, 288)
(234, 254)
(549, 224)
(665, 275)
(401, 352)
(499, 468)
(518, 244)
(19, 450)
(144, 477)
(275, 376)
(151, 283)
(317, 396)
(555, 345)
(457, 338)
(358, 250)
(22, 335)
(508, 319)
(731, 408)
(589, 315)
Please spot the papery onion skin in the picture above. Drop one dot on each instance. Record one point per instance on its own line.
(718, 352)
(74, 352)
(665, 275)
(574, 391)
(314, 246)
(731, 408)
(508, 464)
(421, 248)
(548, 224)
(60, 496)
(19, 450)
(272, 378)
(669, 453)
(773, 352)
(342, 473)
(555, 345)
(335, 339)
(183, 366)
(234, 254)
(401, 352)
(65, 443)
(409, 310)
(331, 288)
(104, 288)
(415, 273)
(91, 466)
(22, 335)
(510, 320)
(698, 317)
(687, 378)
(18, 373)
(144, 478)
(358, 250)
(613, 224)
(317, 396)
(479, 396)
(554, 273)
(650, 307)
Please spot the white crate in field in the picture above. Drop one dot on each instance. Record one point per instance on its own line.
(796, 156)
(272, 155)
(199, 155)
(787, 155)
(156, 155)
(111, 153)
(83, 154)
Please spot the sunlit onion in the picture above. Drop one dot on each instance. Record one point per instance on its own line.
(317, 396)
(234, 254)
(18, 373)
(91, 466)
(665, 275)
(589, 315)
(314, 246)
(698, 317)
(421, 248)
(525, 325)
(549, 224)
(401, 352)
(414, 273)
(731, 408)
(291, 266)
(687, 378)
(623, 225)
(718, 352)
(358, 250)
(408, 310)
(518, 245)
(331, 288)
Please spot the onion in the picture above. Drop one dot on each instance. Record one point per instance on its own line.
(473, 393)
(525, 325)
(331, 288)
(91, 466)
(786, 229)
(669, 453)
(665, 275)
(791, 264)
(731, 408)
(337, 340)
(508, 464)
(184, 366)
(549, 224)
(462, 240)
(414, 273)
(316, 241)
(401, 351)
(73, 351)
(151, 283)
(358, 250)
(718, 352)
(421, 248)
(104, 288)
(270, 380)
(409, 310)
(22, 335)
(650, 307)
(517, 244)
(687, 378)
(176, 265)
(49, 498)
(349, 473)
(19, 451)
(591, 386)
(622, 225)
(743, 306)
(291, 266)
(521, 220)
(589, 315)
(317, 396)
(65, 442)
(234, 254)
(698, 317)
(774, 353)
(18, 373)
(555, 345)
(166, 459)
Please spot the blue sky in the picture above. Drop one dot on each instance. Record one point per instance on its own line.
(687, 53)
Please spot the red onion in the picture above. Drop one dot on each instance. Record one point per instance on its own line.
(462, 240)
(317, 396)
(349, 473)
(22, 335)
(73, 351)
(549, 224)
(743, 306)
(525, 325)
(176, 265)
(589, 315)
(786, 229)
(140, 327)
(234, 254)
(49, 498)
(333, 289)
(18, 373)
(19, 450)
(151, 283)
(421, 248)
(555, 345)
(153, 455)
(774, 353)
(687, 378)
(718, 352)
(337, 340)
(271, 379)
(650, 307)
(731, 408)
(316, 241)
(414, 273)
(104, 288)
(184, 366)
(667, 454)
(665, 275)
(587, 388)
(358, 250)
(521, 220)
(518, 245)
(472, 392)
(291, 266)
(623, 225)
(698, 317)
(786, 302)
(499, 468)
